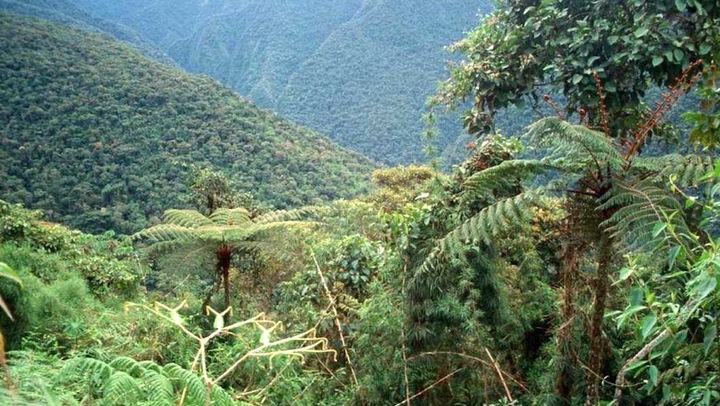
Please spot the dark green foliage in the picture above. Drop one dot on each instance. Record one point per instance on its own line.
(69, 13)
(124, 380)
(524, 48)
(63, 272)
(90, 131)
(108, 264)
(358, 71)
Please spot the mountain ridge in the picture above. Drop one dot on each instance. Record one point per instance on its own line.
(301, 60)
(83, 115)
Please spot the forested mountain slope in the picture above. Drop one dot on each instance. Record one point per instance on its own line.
(92, 132)
(67, 12)
(357, 70)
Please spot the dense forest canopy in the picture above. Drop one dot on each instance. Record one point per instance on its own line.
(96, 134)
(570, 262)
(358, 71)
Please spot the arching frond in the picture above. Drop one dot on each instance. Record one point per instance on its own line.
(166, 232)
(503, 175)
(120, 388)
(230, 217)
(687, 170)
(88, 367)
(126, 381)
(186, 218)
(128, 365)
(221, 398)
(262, 230)
(500, 217)
(183, 379)
(289, 215)
(159, 387)
(638, 209)
(492, 221)
(574, 146)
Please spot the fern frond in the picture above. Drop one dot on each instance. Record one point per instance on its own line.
(150, 366)
(289, 215)
(499, 218)
(181, 248)
(574, 146)
(687, 170)
(166, 232)
(120, 388)
(264, 229)
(128, 365)
(637, 209)
(91, 367)
(186, 218)
(221, 398)
(503, 175)
(182, 379)
(230, 217)
(159, 387)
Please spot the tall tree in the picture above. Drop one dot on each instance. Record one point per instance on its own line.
(602, 57)
(614, 202)
(526, 47)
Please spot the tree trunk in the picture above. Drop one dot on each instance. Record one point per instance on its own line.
(208, 297)
(595, 357)
(564, 383)
(223, 254)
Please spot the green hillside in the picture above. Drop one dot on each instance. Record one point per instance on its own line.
(68, 13)
(358, 71)
(92, 132)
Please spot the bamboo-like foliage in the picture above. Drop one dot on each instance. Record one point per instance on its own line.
(617, 201)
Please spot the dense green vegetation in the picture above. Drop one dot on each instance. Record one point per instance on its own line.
(96, 134)
(358, 71)
(66, 12)
(574, 264)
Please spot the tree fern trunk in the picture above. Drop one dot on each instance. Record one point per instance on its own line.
(564, 383)
(223, 256)
(595, 357)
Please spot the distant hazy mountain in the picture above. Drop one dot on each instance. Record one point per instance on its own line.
(91, 131)
(358, 70)
(67, 12)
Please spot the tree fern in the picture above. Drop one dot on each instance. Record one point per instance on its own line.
(573, 145)
(166, 232)
(223, 232)
(290, 215)
(229, 217)
(186, 218)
